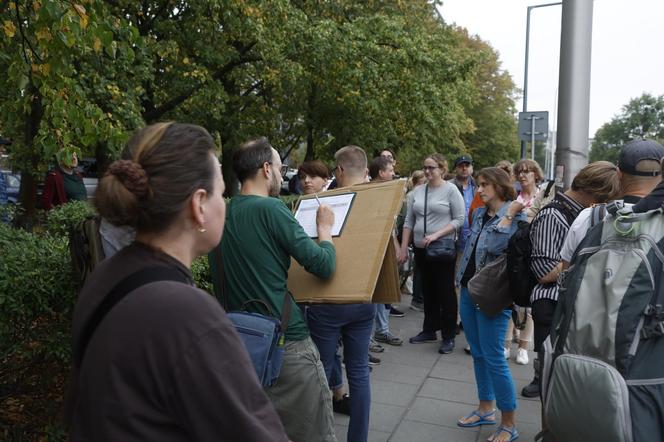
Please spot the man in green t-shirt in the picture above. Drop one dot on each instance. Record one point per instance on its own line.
(260, 237)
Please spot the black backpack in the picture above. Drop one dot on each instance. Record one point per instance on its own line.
(522, 280)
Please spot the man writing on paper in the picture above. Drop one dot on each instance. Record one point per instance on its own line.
(261, 237)
(351, 322)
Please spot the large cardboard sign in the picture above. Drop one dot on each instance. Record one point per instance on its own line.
(367, 268)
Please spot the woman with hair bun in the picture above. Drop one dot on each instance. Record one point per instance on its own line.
(155, 358)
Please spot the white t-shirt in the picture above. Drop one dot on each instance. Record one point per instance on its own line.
(577, 232)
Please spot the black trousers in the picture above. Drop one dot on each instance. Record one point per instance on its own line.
(542, 311)
(440, 302)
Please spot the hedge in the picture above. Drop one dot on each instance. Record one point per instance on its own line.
(37, 298)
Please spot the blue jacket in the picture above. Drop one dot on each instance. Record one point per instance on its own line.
(491, 241)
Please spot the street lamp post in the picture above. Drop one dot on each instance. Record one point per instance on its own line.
(525, 74)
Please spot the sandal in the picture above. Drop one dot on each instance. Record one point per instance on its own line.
(483, 419)
(514, 434)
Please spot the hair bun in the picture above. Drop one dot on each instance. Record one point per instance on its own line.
(132, 176)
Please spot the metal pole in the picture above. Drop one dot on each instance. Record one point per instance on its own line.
(574, 87)
(525, 73)
(532, 137)
(525, 77)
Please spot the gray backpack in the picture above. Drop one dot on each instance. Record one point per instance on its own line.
(603, 375)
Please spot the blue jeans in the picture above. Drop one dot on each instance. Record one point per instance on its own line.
(354, 323)
(336, 377)
(486, 336)
(382, 319)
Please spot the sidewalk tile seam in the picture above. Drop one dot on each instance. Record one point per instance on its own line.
(412, 401)
(454, 425)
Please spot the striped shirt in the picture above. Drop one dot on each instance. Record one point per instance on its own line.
(547, 235)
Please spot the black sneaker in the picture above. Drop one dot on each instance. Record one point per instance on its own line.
(373, 360)
(423, 337)
(342, 406)
(531, 390)
(396, 313)
(446, 347)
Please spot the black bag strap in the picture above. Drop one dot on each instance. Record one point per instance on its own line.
(285, 310)
(426, 198)
(549, 186)
(118, 293)
(563, 207)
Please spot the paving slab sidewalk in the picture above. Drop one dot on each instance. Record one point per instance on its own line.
(418, 394)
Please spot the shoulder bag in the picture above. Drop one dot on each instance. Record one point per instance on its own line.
(442, 250)
(489, 288)
(263, 336)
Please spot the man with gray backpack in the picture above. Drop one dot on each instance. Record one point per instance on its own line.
(595, 183)
(606, 334)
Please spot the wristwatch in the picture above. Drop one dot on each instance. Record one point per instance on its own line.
(509, 217)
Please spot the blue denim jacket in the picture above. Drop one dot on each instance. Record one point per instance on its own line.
(491, 241)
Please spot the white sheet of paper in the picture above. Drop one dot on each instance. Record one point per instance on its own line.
(306, 212)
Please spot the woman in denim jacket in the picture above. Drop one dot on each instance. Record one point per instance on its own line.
(492, 227)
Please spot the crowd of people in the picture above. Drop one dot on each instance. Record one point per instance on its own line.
(162, 360)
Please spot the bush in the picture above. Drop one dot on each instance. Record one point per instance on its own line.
(37, 296)
(200, 269)
(60, 219)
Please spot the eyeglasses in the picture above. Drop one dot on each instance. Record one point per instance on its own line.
(524, 172)
(425, 168)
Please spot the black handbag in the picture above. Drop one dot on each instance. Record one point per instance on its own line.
(489, 288)
(442, 250)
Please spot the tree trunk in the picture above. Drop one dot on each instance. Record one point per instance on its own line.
(311, 102)
(28, 189)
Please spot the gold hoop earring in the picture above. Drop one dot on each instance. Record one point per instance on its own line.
(201, 229)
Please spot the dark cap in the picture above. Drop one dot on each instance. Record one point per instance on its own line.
(639, 150)
(463, 159)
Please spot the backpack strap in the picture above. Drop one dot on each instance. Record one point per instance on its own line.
(426, 198)
(118, 293)
(597, 214)
(564, 208)
(549, 186)
(285, 309)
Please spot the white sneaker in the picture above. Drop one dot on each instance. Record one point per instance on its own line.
(507, 352)
(522, 356)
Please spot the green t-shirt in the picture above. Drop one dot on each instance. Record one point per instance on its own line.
(259, 239)
(74, 187)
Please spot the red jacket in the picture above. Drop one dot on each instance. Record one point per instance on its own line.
(54, 189)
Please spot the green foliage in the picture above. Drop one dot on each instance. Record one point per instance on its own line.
(379, 74)
(642, 117)
(35, 284)
(200, 269)
(70, 83)
(492, 109)
(62, 218)
(37, 296)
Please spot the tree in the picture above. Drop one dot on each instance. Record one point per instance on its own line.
(494, 136)
(642, 117)
(68, 83)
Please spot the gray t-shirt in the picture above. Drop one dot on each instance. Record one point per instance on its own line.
(445, 206)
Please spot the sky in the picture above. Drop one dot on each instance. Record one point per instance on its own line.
(627, 49)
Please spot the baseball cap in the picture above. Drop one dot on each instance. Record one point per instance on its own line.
(463, 159)
(639, 150)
